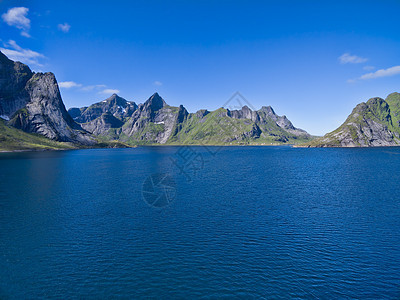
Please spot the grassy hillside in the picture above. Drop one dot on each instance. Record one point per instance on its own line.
(372, 123)
(218, 129)
(14, 139)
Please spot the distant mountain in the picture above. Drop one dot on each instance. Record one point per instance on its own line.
(372, 123)
(156, 122)
(32, 102)
(115, 105)
(153, 122)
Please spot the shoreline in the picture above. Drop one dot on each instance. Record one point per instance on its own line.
(199, 145)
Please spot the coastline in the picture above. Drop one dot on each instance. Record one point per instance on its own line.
(195, 145)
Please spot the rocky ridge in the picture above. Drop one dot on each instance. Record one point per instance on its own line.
(372, 123)
(156, 122)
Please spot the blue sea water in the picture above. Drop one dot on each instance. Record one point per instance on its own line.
(243, 222)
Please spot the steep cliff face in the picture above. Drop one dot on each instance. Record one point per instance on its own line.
(242, 126)
(13, 79)
(371, 123)
(154, 121)
(106, 125)
(32, 102)
(45, 112)
(269, 122)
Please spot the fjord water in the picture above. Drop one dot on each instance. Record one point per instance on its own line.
(251, 222)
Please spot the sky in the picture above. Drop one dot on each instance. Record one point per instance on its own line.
(312, 61)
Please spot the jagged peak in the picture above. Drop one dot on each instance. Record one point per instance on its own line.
(268, 109)
(246, 108)
(155, 102)
(49, 74)
(202, 113)
(5, 59)
(114, 97)
(375, 100)
(117, 100)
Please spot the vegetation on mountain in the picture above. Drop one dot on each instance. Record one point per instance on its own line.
(372, 123)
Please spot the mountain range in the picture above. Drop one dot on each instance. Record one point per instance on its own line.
(31, 109)
(33, 116)
(156, 122)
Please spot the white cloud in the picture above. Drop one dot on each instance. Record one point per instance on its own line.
(347, 58)
(16, 17)
(158, 83)
(382, 73)
(86, 88)
(92, 87)
(64, 27)
(109, 91)
(25, 34)
(69, 84)
(368, 68)
(17, 53)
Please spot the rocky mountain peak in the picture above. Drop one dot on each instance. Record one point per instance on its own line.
(114, 99)
(202, 113)
(45, 112)
(376, 101)
(114, 104)
(13, 78)
(268, 110)
(155, 102)
(371, 123)
(393, 96)
(246, 109)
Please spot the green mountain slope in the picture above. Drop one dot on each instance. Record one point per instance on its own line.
(12, 139)
(156, 122)
(372, 123)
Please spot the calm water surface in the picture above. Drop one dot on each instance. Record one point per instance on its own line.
(247, 222)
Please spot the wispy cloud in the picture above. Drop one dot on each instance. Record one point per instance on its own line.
(68, 84)
(89, 88)
(382, 73)
(15, 52)
(16, 17)
(368, 68)
(109, 91)
(157, 83)
(64, 27)
(347, 58)
(84, 88)
(25, 34)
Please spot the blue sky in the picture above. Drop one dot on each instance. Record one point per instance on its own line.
(310, 60)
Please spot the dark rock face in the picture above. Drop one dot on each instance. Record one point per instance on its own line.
(102, 124)
(33, 103)
(244, 113)
(202, 113)
(267, 118)
(76, 112)
(154, 121)
(13, 78)
(45, 113)
(117, 106)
